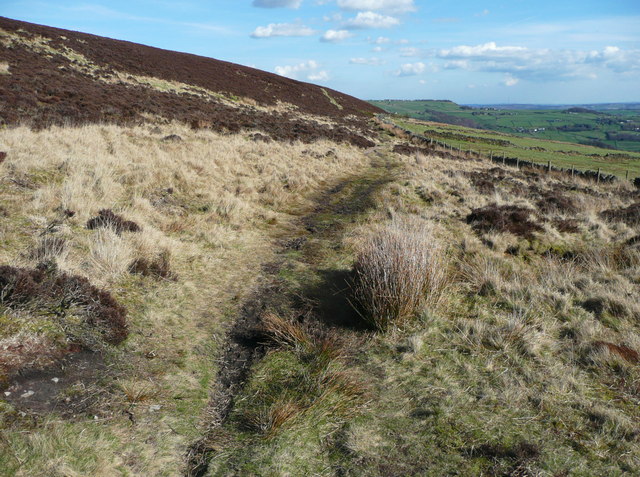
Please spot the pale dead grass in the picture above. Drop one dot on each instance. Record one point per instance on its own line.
(399, 269)
(211, 203)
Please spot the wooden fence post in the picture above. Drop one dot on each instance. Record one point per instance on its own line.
(573, 170)
(548, 166)
(598, 180)
(517, 163)
(627, 175)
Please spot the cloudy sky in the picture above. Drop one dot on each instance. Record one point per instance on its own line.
(492, 51)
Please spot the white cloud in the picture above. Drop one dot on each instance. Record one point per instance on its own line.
(377, 49)
(381, 40)
(410, 51)
(487, 50)
(335, 36)
(277, 3)
(371, 20)
(483, 13)
(319, 76)
(282, 29)
(335, 17)
(411, 69)
(457, 65)
(393, 6)
(307, 69)
(367, 61)
(510, 81)
(521, 63)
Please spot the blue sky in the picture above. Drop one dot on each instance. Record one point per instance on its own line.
(544, 51)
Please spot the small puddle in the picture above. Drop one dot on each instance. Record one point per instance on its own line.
(51, 390)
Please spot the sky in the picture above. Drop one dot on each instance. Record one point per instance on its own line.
(471, 52)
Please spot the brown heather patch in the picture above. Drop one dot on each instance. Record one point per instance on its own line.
(158, 267)
(504, 218)
(569, 226)
(106, 218)
(554, 201)
(629, 215)
(43, 290)
(407, 150)
(626, 353)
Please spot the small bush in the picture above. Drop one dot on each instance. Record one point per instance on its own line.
(108, 219)
(46, 291)
(398, 270)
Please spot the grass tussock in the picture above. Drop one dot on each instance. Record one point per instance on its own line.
(399, 270)
(303, 382)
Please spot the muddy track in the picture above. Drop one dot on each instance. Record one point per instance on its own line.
(320, 229)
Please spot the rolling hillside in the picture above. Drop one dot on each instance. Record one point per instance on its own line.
(52, 76)
(208, 270)
(605, 126)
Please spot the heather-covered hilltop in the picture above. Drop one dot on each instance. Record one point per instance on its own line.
(53, 76)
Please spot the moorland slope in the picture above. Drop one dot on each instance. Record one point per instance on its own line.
(200, 280)
(53, 76)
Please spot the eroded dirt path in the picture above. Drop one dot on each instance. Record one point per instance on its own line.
(304, 243)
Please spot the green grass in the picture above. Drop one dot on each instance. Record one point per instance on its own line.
(557, 125)
(561, 154)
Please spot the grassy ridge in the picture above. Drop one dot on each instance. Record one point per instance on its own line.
(617, 129)
(560, 154)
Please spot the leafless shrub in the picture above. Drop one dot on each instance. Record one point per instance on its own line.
(399, 269)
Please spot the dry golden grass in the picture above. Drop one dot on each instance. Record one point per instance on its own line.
(531, 340)
(210, 204)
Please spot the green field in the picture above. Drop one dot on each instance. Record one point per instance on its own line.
(561, 154)
(601, 126)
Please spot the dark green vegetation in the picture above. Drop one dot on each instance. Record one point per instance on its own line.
(599, 126)
(560, 154)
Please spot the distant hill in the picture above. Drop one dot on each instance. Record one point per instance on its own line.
(611, 126)
(595, 107)
(54, 76)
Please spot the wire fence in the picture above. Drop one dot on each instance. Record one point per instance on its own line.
(444, 149)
